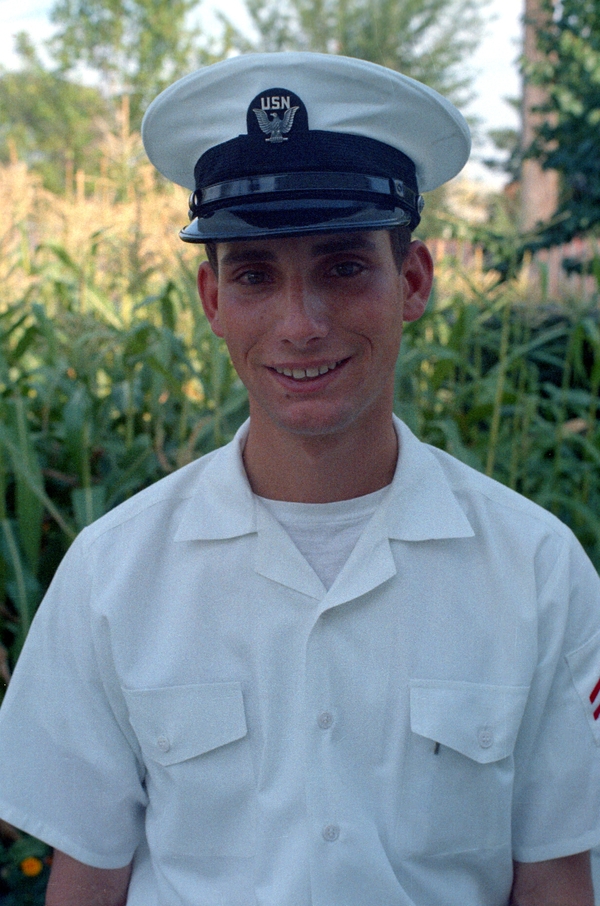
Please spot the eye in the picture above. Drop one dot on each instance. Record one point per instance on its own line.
(253, 278)
(347, 269)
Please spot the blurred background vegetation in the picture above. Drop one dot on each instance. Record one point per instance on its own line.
(109, 375)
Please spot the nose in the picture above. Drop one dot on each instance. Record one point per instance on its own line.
(303, 317)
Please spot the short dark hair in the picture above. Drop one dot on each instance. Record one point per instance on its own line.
(400, 238)
(210, 249)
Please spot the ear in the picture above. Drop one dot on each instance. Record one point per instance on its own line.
(208, 289)
(417, 272)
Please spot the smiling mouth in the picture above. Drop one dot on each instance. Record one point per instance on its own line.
(303, 374)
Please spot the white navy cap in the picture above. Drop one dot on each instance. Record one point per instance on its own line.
(282, 143)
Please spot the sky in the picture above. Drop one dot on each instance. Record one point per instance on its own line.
(496, 75)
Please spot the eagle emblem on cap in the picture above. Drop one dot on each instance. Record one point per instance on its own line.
(275, 128)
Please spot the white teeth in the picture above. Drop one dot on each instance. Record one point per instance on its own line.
(300, 374)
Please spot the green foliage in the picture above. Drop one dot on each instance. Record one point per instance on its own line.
(130, 48)
(92, 409)
(508, 142)
(426, 39)
(513, 392)
(24, 870)
(568, 139)
(48, 121)
(136, 47)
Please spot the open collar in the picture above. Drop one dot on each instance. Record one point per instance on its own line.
(222, 505)
(421, 504)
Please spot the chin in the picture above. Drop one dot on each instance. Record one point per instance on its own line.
(324, 425)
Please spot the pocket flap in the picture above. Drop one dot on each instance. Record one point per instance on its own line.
(174, 723)
(477, 720)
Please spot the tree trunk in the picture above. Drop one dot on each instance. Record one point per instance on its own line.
(539, 188)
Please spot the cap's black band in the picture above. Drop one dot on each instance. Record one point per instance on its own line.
(313, 151)
(311, 160)
(298, 185)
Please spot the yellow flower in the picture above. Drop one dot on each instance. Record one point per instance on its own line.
(31, 867)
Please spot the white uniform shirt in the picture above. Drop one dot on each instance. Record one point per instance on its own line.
(190, 694)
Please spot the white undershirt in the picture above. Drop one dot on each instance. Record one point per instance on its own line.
(325, 533)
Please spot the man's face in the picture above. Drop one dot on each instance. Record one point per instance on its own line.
(313, 325)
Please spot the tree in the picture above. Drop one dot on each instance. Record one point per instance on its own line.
(538, 186)
(47, 121)
(426, 39)
(568, 139)
(136, 47)
(55, 122)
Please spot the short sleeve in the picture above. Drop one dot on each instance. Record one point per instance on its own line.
(70, 774)
(557, 757)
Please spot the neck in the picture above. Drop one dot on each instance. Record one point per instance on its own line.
(322, 469)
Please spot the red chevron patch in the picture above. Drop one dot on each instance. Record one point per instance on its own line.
(593, 696)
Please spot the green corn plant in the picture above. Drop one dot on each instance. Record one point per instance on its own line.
(514, 392)
(92, 409)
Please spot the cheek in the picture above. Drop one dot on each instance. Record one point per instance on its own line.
(384, 326)
(242, 335)
(386, 341)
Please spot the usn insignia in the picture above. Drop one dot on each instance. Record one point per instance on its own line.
(275, 128)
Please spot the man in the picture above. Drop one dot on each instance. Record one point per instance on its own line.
(326, 665)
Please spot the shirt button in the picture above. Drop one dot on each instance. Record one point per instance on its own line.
(486, 738)
(330, 832)
(163, 743)
(325, 720)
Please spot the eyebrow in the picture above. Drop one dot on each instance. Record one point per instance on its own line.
(346, 244)
(256, 254)
(237, 256)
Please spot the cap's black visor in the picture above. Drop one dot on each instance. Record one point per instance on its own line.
(292, 217)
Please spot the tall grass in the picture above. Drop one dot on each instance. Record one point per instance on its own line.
(109, 374)
(512, 389)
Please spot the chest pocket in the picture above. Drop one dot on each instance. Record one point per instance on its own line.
(457, 783)
(176, 723)
(199, 776)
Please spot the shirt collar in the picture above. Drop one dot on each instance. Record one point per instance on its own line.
(223, 506)
(421, 505)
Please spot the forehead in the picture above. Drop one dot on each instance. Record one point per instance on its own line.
(376, 241)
